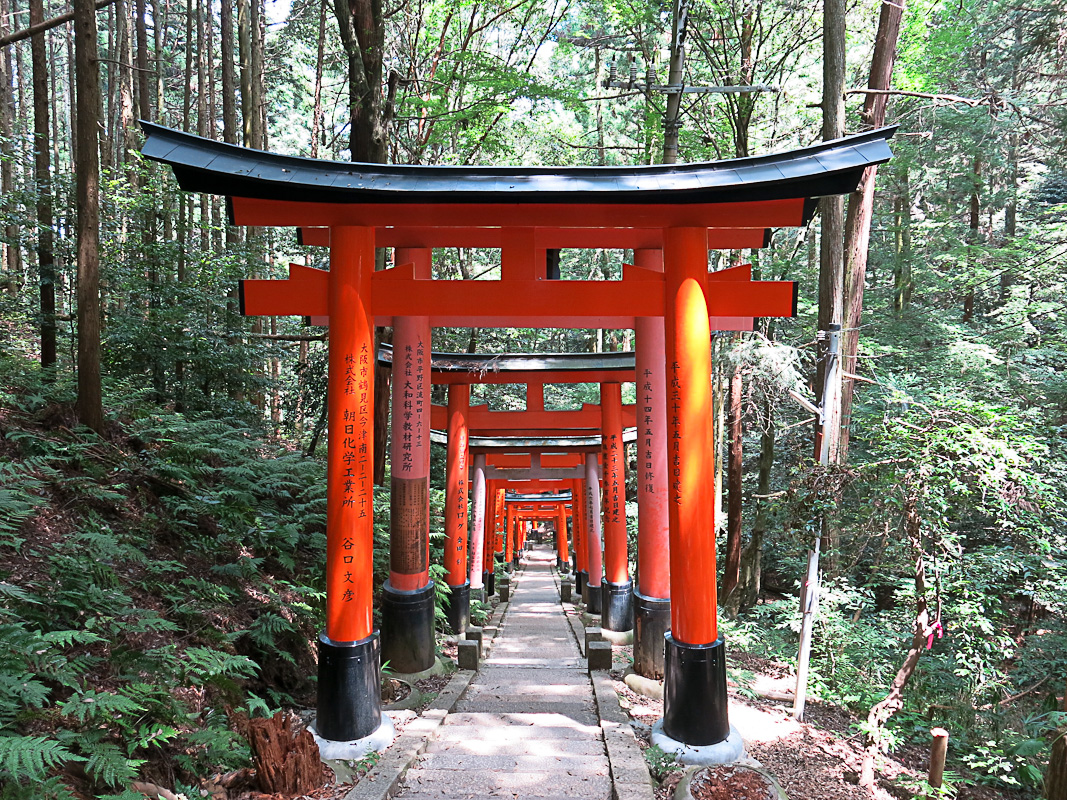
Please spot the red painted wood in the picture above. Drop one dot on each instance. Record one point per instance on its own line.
(613, 455)
(653, 530)
(544, 237)
(289, 213)
(350, 439)
(691, 459)
(456, 486)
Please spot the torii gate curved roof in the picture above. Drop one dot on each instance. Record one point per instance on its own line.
(204, 165)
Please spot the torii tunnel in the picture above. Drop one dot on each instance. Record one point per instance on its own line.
(669, 215)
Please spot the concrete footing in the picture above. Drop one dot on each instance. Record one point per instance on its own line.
(730, 749)
(376, 742)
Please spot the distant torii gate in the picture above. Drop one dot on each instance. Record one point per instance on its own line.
(681, 210)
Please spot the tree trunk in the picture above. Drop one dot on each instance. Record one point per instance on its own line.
(144, 90)
(87, 173)
(1056, 780)
(674, 78)
(316, 111)
(883, 711)
(732, 564)
(902, 279)
(861, 210)
(752, 557)
(229, 76)
(974, 220)
(244, 50)
(126, 136)
(43, 175)
(831, 209)
(363, 36)
(11, 265)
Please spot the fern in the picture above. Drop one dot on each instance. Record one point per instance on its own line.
(32, 757)
(91, 705)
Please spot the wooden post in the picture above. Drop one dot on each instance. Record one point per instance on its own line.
(809, 605)
(456, 485)
(593, 539)
(691, 454)
(938, 751)
(694, 692)
(1056, 780)
(350, 442)
(614, 491)
(563, 553)
(479, 498)
(652, 605)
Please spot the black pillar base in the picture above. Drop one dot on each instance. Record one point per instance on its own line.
(652, 620)
(561, 566)
(580, 579)
(594, 597)
(515, 561)
(618, 603)
(694, 692)
(407, 628)
(489, 579)
(458, 608)
(574, 562)
(349, 704)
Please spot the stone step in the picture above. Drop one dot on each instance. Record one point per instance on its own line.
(534, 746)
(554, 763)
(453, 785)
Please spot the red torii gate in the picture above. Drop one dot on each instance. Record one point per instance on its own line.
(682, 210)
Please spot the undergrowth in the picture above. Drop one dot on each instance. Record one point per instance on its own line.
(160, 585)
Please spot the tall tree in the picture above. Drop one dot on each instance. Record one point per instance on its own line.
(831, 209)
(861, 207)
(362, 30)
(87, 174)
(43, 174)
(11, 263)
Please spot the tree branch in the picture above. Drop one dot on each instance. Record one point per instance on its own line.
(47, 25)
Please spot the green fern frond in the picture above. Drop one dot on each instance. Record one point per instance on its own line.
(32, 757)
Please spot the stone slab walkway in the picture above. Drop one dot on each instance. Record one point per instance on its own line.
(527, 726)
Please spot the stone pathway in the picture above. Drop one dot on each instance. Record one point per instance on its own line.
(527, 726)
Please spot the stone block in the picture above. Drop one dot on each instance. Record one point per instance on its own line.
(565, 591)
(599, 656)
(504, 590)
(468, 654)
(474, 634)
(592, 634)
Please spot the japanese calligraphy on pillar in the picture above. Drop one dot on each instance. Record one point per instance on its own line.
(355, 453)
(644, 427)
(613, 470)
(407, 447)
(675, 407)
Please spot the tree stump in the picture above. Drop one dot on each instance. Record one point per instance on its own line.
(287, 760)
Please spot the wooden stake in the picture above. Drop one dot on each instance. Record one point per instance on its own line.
(938, 751)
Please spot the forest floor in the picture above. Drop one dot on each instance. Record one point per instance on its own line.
(818, 759)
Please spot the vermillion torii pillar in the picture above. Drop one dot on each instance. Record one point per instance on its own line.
(562, 547)
(593, 594)
(457, 609)
(579, 532)
(652, 595)
(348, 706)
(408, 595)
(479, 498)
(694, 692)
(617, 591)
